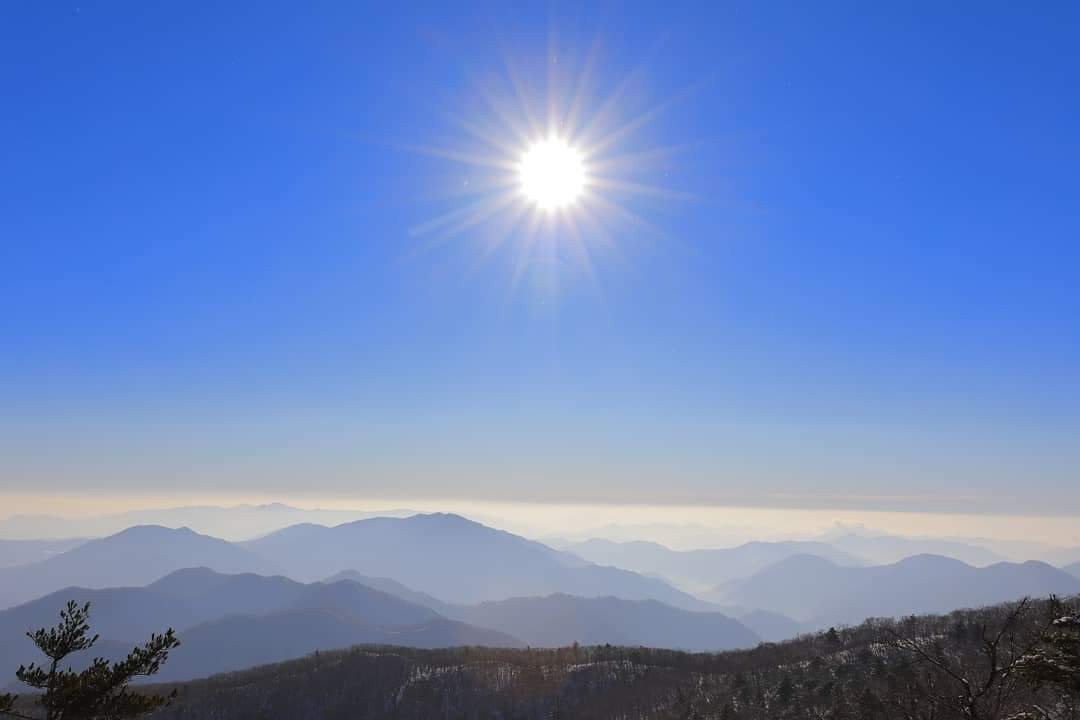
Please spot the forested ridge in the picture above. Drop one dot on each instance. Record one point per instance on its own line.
(1016, 660)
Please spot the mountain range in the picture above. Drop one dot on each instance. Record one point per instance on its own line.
(454, 559)
(447, 556)
(559, 619)
(132, 557)
(237, 522)
(438, 580)
(857, 672)
(882, 549)
(393, 587)
(818, 592)
(771, 626)
(229, 622)
(701, 569)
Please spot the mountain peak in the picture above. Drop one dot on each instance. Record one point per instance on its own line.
(924, 561)
(154, 531)
(443, 518)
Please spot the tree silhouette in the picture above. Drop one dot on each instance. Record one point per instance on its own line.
(785, 692)
(1055, 663)
(100, 692)
(983, 683)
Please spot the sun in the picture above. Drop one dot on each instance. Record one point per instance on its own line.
(551, 166)
(552, 174)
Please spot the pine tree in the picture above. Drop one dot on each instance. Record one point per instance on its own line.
(785, 693)
(1055, 662)
(100, 692)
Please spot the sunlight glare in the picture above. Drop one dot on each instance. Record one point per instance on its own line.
(552, 174)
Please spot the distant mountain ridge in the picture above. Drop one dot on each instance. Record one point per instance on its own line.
(25, 552)
(456, 560)
(446, 556)
(771, 626)
(1073, 569)
(243, 641)
(700, 569)
(393, 587)
(820, 593)
(133, 557)
(443, 578)
(236, 522)
(884, 549)
(559, 620)
(230, 622)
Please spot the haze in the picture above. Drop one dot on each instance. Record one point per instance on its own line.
(597, 360)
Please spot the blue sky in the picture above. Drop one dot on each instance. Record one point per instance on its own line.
(858, 287)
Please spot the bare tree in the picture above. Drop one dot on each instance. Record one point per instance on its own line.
(982, 682)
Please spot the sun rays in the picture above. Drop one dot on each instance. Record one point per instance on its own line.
(557, 170)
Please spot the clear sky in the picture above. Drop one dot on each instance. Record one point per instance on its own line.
(836, 266)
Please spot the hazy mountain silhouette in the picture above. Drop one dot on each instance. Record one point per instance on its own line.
(228, 622)
(393, 587)
(236, 522)
(818, 592)
(24, 552)
(1073, 569)
(134, 557)
(197, 595)
(1062, 556)
(700, 569)
(685, 535)
(243, 641)
(881, 549)
(454, 559)
(771, 626)
(561, 620)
